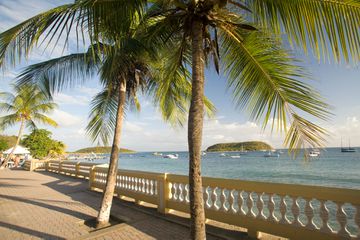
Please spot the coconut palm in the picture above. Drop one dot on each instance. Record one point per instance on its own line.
(123, 72)
(27, 106)
(263, 76)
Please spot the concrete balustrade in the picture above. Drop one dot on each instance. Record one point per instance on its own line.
(287, 210)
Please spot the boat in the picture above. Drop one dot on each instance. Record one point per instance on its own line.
(348, 149)
(235, 156)
(242, 151)
(172, 156)
(223, 155)
(314, 153)
(157, 154)
(203, 153)
(271, 154)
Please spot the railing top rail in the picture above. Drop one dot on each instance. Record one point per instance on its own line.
(293, 190)
(132, 173)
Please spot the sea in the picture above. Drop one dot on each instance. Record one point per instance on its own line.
(332, 168)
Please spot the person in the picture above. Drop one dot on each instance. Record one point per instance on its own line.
(16, 161)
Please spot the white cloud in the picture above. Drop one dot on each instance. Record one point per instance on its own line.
(346, 130)
(65, 99)
(65, 119)
(132, 127)
(88, 91)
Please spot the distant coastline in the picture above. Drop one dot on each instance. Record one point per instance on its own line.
(102, 150)
(239, 146)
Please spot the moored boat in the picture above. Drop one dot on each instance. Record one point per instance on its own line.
(172, 156)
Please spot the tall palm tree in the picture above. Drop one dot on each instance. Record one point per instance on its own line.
(27, 106)
(263, 76)
(123, 72)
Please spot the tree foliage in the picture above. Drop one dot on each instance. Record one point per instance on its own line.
(7, 142)
(40, 144)
(3, 145)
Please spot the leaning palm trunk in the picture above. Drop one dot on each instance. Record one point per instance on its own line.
(4, 164)
(104, 213)
(195, 125)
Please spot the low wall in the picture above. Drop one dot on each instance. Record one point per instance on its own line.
(287, 210)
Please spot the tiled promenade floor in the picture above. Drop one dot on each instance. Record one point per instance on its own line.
(42, 205)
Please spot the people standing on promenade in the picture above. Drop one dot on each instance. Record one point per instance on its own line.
(16, 161)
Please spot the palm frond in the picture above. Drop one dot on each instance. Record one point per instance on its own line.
(41, 118)
(60, 73)
(87, 18)
(264, 79)
(102, 118)
(329, 28)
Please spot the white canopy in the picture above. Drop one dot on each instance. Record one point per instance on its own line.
(18, 150)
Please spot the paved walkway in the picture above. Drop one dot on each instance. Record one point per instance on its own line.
(43, 205)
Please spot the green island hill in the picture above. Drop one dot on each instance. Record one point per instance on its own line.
(102, 150)
(239, 146)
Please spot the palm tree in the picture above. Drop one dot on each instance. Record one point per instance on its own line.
(123, 72)
(264, 77)
(28, 106)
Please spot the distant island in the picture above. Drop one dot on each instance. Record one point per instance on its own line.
(239, 146)
(102, 150)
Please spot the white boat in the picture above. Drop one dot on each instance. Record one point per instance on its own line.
(172, 156)
(272, 154)
(313, 154)
(203, 153)
(223, 155)
(157, 154)
(235, 156)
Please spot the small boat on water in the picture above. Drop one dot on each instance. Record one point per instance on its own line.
(203, 153)
(172, 156)
(347, 149)
(313, 154)
(235, 156)
(223, 155)
(157, 154)
(272, 154)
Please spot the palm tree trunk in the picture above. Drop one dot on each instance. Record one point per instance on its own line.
(4, 164)
(195, 126)
(104, 213)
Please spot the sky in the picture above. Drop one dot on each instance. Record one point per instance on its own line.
(145, 131)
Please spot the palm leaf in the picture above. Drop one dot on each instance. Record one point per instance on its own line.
(329, 28)
(264, 79)
(88, 18)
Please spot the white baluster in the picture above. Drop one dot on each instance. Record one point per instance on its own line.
(342, 219)
(324, 215)
(249, 204)
(271, 206)
(259, 205)
(147, 187)
(295, 211)
(214, 197)
(232, 201)
(357, 219)
(181, 192)
(264, 206)
(187, 193)
(223, 201)
(206, 197)
(309, 212)
(241, 203)
(253, 200)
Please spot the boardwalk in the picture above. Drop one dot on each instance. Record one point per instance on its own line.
(42, 205)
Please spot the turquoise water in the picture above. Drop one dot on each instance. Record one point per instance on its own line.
(332, 168)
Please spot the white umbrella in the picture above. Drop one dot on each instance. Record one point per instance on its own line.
(18, 150)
